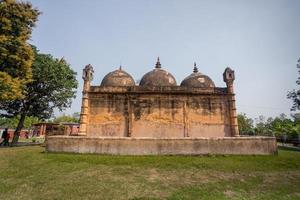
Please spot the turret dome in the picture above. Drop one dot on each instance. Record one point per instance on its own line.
(197, 79)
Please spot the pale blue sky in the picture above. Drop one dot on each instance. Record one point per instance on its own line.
(260, 40)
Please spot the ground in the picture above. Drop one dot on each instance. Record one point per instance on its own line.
(30, 173)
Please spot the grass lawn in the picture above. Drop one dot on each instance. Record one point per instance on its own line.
(33, 139)
(30, 173)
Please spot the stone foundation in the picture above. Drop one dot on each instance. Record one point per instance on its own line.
(163, 146)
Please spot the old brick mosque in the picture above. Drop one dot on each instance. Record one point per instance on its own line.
(158, 116)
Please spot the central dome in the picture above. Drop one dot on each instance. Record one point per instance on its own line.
(158, 77)
(118, 78)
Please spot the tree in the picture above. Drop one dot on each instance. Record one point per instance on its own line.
(53, 86)
(296, 117)
(261, 127)
(76, 115)
(282, 125)
(16, 56)
(13, 122)
(295, 94)
(245, 124)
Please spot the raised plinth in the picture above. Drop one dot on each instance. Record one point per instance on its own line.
(167, 146)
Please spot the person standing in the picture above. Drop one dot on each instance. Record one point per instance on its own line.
(5, 137)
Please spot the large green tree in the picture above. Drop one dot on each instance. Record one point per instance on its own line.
(53, 86)
(295, 94)
(16, 56)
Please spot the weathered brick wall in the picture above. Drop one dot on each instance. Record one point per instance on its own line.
(158, 115)
(166, 146)
(208, 116)
(106, 115)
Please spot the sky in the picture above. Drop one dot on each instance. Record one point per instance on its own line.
(259, 39)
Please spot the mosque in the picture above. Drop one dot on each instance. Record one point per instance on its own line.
(158, 116)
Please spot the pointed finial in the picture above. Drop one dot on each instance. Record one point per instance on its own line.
(195, 68)
(158, 65)
(120, 68)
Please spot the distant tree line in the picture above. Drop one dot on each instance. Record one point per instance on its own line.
(278, 126)
(12, 122)
(66, 118)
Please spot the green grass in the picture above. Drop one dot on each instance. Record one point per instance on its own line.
(30, 173)
(33, 139)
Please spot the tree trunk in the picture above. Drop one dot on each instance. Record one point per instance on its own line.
(18, 130)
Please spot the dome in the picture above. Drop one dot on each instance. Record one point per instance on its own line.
(196, 79)
(158, 77)
(118, 78)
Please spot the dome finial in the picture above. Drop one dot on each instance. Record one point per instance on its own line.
(158, 65)
(195, 68)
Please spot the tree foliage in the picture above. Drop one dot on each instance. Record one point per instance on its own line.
(16, 56)
(13, 122)
(245, 124)
(262, 125)
(53, 86)
(284, 126)
(295, 94)
(67, 118)
(278, 126)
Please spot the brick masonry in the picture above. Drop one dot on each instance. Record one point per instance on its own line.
(163, 146)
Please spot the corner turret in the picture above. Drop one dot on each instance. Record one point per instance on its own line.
(87, 76)
(229, 77)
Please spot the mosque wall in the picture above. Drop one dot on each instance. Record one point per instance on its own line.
(208, 116)
(158, 115)
(106, 116)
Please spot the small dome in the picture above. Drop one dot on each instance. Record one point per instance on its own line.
(196, 79)
(158, 77)
(118, 78)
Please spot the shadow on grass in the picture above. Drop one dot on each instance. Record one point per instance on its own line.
(21, 144)
(287, 148)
